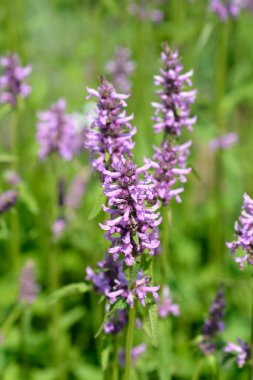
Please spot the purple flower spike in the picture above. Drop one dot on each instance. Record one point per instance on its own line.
(56, 132)
(12, 80)
(135, 354)
(166, 306)
(29, 289)
(171, 169)
(224, 142)
(244, 233)
(172, 113)
(7, 200)
(133, 224)
(226, 9)
(110, 134)
(241, 350)
(120, 68)
(214, 324)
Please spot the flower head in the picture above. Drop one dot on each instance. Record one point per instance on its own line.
(244, 233)
(226, 8)
(214, 324)
(29, 289)
(56, 132)
(109, 136)
(120, 68)
(166, 306)
(241, 350)
(7, 200)
(12, 80)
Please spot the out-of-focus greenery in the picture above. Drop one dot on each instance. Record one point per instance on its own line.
(68, 42)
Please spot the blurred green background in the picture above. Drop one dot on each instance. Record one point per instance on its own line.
(68, 43)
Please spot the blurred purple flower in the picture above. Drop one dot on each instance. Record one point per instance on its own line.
(59, 227)
(12, 178)
(172, 113)
(56, 132)
(214, 324)
(77, 189)
(29, 289)
(166, 306)
(226, 8)
(244, 233)
(109, 136)
(224, 141)
(135, 354)
(12, 80)
(145, 10)
(117, 323)
(241, 350)
(133, 224)
(7, 200)
(121, 68)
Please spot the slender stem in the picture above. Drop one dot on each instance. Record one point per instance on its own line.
(25, 326)
(15, 230)
(165, 243)
(129, 343)
(115, 368)
(251, 340)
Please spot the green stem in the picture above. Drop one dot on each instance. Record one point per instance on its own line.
(165, 244)
(15, 229)
(115, 369)
(198, 370)
(129, 343)
(25, 326)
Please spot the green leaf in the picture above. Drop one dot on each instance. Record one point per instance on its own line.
(28, 199)
(97, 206)
(150, 325)
(69, 290)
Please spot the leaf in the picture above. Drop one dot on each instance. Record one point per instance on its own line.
(28, 199)
(105, 351)
(150, 325)
(69, 290)
(97, 206)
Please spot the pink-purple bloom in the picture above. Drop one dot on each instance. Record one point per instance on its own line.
(133, 224)
(226, 9)
(12, 80)
(56, 132)
(244, 234)
(120, 68)
(166, 306)
(224, 142)
(143, 11)
(77, 189)
(109, 137)
(136, 352)
(29, 289)
(213, 324)
(241, 350)
(116, 323)
(8, 200)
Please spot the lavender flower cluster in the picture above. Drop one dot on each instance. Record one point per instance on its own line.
(12, 80)
(172, 114)
(241, 350)
(226, 9)
(28, 286)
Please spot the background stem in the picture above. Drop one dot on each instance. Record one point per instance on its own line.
(129, 343)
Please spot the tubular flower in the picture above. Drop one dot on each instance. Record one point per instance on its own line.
(241, 350)
(56, 132)
(214, 324)
(111, 281)
(133, 224)
(29, 289)
(109, 136)
(166, 306)
(7, 200)
(172, 113)
(244, 233)
(226, 8)
(12, 83)
(170, 169)
(120, 68)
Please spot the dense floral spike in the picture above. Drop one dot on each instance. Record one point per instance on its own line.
(135, 354)
(241, 350)
(166, 306)
(111, 281)
(226, 8)
(56, 132)
(172, 113)
(133, 224)
(244, 233)
(110, 134)
(170, 170)
(117, 323)
(7, 200)
(12, 81)
(28, 287)
(214, 324)
(121, 68)
(224, 142)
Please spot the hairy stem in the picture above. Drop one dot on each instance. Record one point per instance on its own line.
(129, 343)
